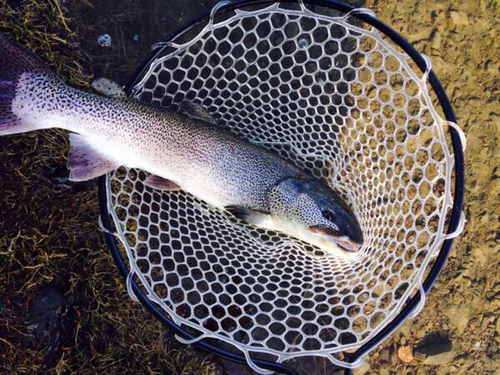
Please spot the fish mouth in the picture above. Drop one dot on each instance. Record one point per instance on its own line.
(346, 245)
(335, 238)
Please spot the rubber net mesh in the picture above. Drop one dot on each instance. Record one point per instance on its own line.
(336, 98)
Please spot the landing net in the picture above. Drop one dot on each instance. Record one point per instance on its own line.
(337, 98)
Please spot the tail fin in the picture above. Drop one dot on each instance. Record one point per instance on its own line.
(14, 62)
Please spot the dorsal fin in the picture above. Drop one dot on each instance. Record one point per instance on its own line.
(85, 161)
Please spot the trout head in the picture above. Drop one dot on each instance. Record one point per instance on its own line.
(312, 212)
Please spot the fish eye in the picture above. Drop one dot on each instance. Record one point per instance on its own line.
(328, 215)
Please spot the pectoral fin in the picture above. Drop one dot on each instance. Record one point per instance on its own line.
(86, 161)
(247, 215)
(196, 111)
(160, 183)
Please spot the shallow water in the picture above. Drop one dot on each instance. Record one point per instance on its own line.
(100, 329)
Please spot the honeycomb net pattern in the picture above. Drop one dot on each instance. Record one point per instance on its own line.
(335, 98)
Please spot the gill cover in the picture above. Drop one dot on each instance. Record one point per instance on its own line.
(315, 208)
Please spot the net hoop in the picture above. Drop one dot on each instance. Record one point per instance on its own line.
(412, 305)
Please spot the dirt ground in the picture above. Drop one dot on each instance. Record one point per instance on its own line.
(462, 39)
(63, 306)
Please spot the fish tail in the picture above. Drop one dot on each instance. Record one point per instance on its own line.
(21, 71)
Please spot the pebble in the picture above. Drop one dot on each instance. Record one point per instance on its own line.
(439, 359)
(419, 356)
(363, 369)
(104, 40)
(459, 18)
(405, 353)
(384, 355)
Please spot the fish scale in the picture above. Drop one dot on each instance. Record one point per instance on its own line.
(179, 149)
(204, 160)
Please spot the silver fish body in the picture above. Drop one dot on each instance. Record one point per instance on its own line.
(181, 151)
(202, 159)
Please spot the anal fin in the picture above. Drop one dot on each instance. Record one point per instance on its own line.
(160, 183)
(85, 161)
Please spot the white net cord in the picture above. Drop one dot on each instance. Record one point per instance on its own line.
(337, 99)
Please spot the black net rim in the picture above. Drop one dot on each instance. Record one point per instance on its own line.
(456, 210)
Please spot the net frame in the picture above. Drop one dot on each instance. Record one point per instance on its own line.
(455, 223)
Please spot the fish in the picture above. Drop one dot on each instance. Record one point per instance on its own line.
(181, 150)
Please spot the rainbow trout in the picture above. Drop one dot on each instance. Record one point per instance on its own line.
(181, 151)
